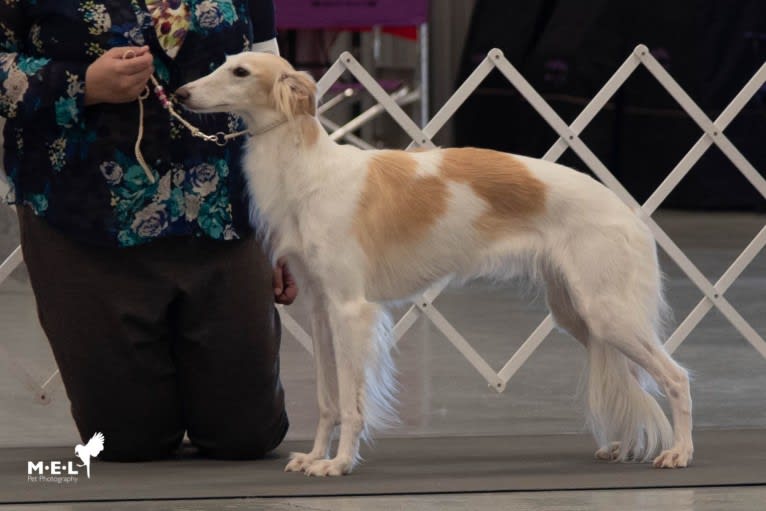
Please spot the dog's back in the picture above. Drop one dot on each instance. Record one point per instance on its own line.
(469, 212)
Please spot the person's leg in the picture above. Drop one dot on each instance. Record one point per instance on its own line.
(228, 352)
(103, 311)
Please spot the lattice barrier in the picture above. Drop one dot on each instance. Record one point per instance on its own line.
(569, 138)
(41, 390)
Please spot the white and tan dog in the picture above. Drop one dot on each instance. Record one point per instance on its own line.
(366, 228)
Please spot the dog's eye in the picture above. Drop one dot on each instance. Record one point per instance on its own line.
(240, 72)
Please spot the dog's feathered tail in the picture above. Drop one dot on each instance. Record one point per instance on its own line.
(621, 407)
(381, 387)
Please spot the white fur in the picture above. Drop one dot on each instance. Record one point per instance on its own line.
(595, 258)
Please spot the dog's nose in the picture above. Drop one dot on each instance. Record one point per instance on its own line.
(183, 94)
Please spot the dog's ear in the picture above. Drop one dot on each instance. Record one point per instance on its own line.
(295, 94)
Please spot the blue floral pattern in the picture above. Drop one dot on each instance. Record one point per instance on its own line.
(210, 15)
(76, 165)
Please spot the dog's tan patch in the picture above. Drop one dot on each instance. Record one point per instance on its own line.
(397, 206)
(512, 193)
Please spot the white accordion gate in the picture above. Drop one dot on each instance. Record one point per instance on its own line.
(712, 133)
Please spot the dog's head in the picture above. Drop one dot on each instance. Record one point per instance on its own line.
(254, 84)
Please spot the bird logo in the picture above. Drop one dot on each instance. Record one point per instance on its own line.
(90, 450)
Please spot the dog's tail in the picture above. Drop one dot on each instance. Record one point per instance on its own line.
(621, 407)
(381, 386)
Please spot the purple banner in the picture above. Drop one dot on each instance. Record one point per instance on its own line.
(350, 13)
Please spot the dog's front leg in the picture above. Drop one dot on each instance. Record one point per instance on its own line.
(352, 324)
(327, 387)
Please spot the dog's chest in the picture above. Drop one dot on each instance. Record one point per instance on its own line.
(285, 235)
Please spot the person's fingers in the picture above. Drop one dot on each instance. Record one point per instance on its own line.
(135, 65)
(291, 286)
(291, 293)
(135, 84)
(127, 52)
(288, 296)
(288, 275)
(277, 280)
(142, 50)
(120, 75)
(136, 91)
(138, 78)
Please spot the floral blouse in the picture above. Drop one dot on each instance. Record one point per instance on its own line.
(75, 165)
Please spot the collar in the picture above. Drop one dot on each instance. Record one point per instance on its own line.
(267, 128)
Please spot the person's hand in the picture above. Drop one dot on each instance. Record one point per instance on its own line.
(285, 287)
(116, 77)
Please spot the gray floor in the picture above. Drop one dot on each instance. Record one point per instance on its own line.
(692, 499)
(445, 396)
(394, 466)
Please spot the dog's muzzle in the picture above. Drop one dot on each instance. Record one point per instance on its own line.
(182, 94)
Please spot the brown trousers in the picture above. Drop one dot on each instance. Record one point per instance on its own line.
(178, 335)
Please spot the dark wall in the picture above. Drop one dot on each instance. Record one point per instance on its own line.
(568, 49)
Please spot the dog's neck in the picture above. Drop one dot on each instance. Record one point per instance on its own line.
(282, 155)
(284, 166)
(262, 123)
(302, 132)
(265, 129)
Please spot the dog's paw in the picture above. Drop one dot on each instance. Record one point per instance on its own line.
(300, 461)
(677, 457)
(324, 468)
(609, 453)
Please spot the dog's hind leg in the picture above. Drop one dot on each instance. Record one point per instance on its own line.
(642, 346)
(619, 299)
(644, 349)
(327, 388)
(568, 319)
(564, 312)
(353, 326)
